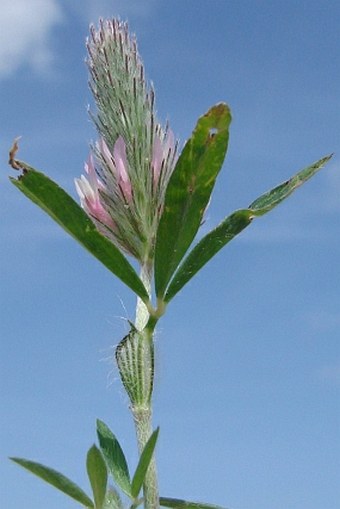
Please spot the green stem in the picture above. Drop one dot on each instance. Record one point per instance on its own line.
(143, 415)
(142, 314)
(143, 424)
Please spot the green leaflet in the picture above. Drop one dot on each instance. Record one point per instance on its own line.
(143, 464)
(114, 457)
(207, 247)
(68, 214)
(177, 503)
(112, 500)
(97, 472)
(269, 200)
(189, 191)
(57, 480)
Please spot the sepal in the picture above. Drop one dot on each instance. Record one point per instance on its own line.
(135, 359)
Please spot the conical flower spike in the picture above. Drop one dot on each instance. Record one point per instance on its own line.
(135, 155)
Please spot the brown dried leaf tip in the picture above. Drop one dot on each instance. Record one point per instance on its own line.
(17, 165)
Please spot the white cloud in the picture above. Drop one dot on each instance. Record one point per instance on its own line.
(25, 27)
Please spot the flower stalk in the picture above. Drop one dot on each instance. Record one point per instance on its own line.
(143, 415)
(143, 425)
(135, 360)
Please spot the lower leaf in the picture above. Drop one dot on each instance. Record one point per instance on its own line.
(114, 457)
(57, 480)
(112, 500)
(97, 472)
(177, 503)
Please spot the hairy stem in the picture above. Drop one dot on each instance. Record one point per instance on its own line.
(143, 415)
(142, 314)
(143, 424)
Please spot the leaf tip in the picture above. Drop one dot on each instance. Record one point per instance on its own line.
(12, 161)
(99, 422)
(221, 107)
(15, 163)
(93, 448)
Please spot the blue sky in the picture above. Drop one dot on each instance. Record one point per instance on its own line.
(248, 368)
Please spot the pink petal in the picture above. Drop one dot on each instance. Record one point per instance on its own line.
(169, 143)
(119, 155)
(88, 191)
(105, 151)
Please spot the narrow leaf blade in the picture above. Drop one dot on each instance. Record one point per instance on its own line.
(177, 503)
(207, 248)
(215, 240)
(57, 480)
(69, 215)
(97, 472)
(189, 191)
(143, 464)
(114, 457)
(272, 198)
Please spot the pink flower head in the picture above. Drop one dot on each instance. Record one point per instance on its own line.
(88, 191)
(134, 156)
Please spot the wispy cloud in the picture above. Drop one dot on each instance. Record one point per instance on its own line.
(25, 28)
